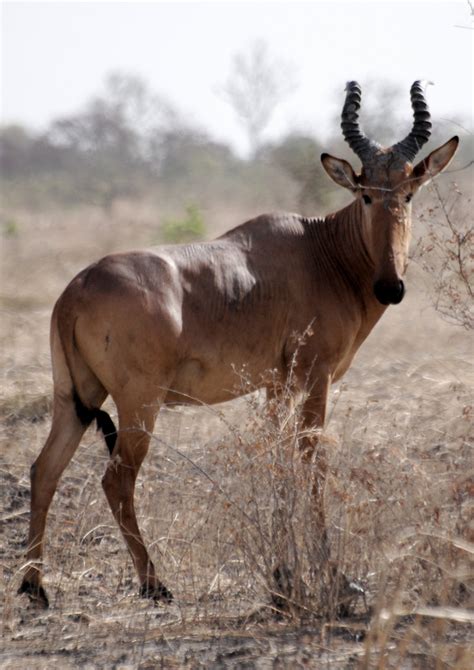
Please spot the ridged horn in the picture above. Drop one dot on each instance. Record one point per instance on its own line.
(358, 142)
(421, 131)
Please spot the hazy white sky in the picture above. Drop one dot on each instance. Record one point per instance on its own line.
(55, 55)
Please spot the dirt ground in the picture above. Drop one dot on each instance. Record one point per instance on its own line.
(399, 504)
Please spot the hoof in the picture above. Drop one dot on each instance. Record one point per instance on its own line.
(283, 580)
(35, 592)
(350, 592)
(158, 592)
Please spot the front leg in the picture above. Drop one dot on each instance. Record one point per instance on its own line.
(313, 456)
(338, 588)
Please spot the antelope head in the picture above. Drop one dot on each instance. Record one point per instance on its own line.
(386, 185)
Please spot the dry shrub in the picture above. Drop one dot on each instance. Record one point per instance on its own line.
(399, 514)
(397, 509)
(267, 491)
(446, 252)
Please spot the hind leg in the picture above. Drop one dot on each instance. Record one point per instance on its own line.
(135, 427)
(63, 440)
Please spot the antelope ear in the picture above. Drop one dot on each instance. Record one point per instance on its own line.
(435, 162)
(340, 171)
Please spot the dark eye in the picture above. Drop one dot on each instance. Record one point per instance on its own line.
(366, 199)
(408, 197)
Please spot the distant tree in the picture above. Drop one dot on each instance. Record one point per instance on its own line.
(299, 156)
(25, 153)
(15, 147)
(256, 85)
(191, 152)
(117, 122)
(114, 137)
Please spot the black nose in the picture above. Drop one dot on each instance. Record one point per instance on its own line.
(389, 292)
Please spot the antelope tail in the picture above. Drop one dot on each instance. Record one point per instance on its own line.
(104, 423)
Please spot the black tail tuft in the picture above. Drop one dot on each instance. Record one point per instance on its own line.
(87, 415)
(107, 426)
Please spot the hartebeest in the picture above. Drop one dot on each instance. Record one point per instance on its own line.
(171, 325)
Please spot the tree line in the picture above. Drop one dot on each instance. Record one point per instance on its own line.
(128, 141)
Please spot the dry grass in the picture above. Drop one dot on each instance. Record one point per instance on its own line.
(398, 501)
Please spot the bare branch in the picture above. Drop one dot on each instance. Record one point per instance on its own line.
(446, 252)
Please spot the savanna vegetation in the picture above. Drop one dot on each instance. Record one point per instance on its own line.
(126, 171)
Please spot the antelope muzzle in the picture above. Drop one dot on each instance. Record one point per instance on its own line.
(389, 292)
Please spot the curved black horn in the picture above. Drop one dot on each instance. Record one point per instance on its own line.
(421, 131)
(358, 142)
